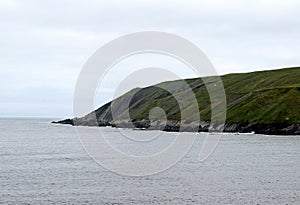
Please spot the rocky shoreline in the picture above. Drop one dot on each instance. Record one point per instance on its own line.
(204, 126)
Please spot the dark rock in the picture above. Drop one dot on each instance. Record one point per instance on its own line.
(176, 126)
(66, 121)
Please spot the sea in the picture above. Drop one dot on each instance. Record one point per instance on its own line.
(44, 163)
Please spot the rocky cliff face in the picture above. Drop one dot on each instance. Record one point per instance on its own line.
(176, 126)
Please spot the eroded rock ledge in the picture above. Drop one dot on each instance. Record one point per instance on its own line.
(176, 126)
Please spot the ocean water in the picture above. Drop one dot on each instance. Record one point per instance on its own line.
(43, 163)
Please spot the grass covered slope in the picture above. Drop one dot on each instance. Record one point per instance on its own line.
(254, 100)
(265, 97)
(260, 97)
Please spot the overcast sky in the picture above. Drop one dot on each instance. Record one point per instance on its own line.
(44, 44)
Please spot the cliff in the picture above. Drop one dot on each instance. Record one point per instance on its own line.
(266, 102)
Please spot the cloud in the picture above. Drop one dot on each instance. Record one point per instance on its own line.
(44, 44)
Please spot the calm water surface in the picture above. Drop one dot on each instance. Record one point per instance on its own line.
(42, 163)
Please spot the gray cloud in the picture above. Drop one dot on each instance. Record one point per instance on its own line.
(44, 44)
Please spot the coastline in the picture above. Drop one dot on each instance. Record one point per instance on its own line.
(204, 126)
(263, 102)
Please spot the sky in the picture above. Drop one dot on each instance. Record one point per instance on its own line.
(45, 44)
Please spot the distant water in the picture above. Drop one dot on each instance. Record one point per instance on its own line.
(42, 163)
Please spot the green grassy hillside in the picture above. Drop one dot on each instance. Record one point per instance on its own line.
(258, 97)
